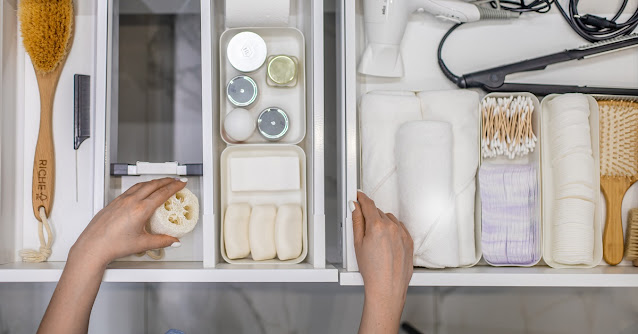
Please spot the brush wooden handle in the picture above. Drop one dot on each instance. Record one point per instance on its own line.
(44, 160)
(614, 189)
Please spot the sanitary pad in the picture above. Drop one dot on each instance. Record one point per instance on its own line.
(510, 216)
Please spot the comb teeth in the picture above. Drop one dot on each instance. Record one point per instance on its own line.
(618, 138)
(631, 251)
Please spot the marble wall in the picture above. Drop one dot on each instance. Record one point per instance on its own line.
(329, 308)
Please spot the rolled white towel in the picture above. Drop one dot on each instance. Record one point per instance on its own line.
(381, 114)
(460, 108)
(424, 169)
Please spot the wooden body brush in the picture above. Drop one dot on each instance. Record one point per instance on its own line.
(618, 168)
(631, 248)
(47, 27)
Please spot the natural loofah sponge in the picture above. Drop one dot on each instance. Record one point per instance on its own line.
(46, 31)
(177, 216)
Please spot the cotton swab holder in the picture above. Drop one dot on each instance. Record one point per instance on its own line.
(508, 119)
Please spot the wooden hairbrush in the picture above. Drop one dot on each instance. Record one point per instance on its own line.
(618, 168)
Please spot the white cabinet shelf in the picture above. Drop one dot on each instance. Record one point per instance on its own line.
(601, 276)
(187, 272)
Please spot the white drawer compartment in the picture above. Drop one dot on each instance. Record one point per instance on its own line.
(73, 204)
(155, 101)
(470, 48)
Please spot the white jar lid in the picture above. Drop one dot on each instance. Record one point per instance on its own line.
(247, 51)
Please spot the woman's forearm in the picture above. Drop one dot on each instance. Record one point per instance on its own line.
(73, 298)
(380, 316)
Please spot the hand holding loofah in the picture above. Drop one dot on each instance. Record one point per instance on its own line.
(177, 216)
(119, 230)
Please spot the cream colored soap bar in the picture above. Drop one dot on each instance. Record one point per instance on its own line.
(236, 231)
(265, 174)
(261, 232)
(289, 232)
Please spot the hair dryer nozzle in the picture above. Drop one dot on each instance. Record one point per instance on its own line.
(382, 60)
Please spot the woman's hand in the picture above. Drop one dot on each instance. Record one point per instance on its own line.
(384, 253)
(116, 231)
(119, 229)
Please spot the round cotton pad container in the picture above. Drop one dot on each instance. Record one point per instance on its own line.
(177, 216)
(247, 51)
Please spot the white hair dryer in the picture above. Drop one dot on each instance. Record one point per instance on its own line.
(385, 22)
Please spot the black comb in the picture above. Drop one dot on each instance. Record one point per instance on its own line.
(82, 109)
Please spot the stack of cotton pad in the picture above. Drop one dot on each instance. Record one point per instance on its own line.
(574, 180)
(510, 219)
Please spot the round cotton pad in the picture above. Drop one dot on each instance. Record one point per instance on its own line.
(569, 101)
(177, 216)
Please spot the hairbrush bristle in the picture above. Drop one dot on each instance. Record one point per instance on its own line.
(46, 31)
(631, 245)
(618, 138)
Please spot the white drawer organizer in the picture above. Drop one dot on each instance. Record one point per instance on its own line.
(470, 48)
(95, 52)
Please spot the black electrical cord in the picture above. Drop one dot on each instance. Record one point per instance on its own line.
(446, 71)
(595, 28)
(536, 6)
(590, 27)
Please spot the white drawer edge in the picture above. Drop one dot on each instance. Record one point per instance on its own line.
(187, 272)
(515, 277)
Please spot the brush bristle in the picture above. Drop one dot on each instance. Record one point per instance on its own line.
(618, 138)
(631, 244)
(46, 31)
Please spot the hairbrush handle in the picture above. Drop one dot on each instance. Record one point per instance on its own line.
(43, 186)
(614, 189)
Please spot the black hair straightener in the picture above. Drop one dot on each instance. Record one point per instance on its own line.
(493, 79)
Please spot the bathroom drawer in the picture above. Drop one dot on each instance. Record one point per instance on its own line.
(117, 137)
(470, 48)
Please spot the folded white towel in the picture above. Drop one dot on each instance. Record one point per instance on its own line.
(424, 169)
(460, 108)
(381, 114)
